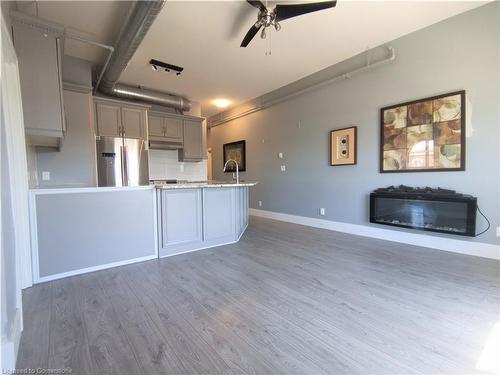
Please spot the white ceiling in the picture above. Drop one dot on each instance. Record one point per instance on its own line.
(99, 21)
(204, 38)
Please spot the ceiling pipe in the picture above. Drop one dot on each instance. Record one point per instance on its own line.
(139, 20)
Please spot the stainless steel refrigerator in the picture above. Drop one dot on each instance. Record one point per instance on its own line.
(121, 162)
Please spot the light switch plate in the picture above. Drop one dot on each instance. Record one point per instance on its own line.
(45, 176)
(283, 168)
(260, 203)
(498, 231)
(322, 211)
(280, 155)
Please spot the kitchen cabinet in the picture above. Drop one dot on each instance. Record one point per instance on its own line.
(180, 220)
(108, 119)
(193, 141)
(219, 214)
(39, 50)
(193, 218)
(115, 118)
(165, 128)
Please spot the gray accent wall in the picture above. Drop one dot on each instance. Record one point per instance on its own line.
(74, 164)
(459, 53)
(87, 229)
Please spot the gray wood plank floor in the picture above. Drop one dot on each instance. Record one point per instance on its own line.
(286, 299)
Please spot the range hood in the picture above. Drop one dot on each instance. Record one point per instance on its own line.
(165, 145)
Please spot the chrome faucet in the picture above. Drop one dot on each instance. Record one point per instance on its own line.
(237, 167)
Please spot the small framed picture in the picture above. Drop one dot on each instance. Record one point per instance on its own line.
(235, 151)
(343, 146)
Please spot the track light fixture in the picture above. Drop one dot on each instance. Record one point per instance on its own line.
(156, 64)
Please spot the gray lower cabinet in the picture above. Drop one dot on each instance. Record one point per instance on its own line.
(39, 49)
(180, 220)
(192, 219)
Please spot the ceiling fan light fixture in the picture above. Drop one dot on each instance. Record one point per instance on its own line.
(263, 33)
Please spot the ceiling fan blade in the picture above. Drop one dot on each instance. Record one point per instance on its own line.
(285, 11)
(257, 4)
(250, 34)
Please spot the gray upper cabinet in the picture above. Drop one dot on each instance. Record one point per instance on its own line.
(165, 128)
(134, 122)
(155, 126)
(193, 141)
(173, 129)
(116, 119)
(38, 48)
(108, 119)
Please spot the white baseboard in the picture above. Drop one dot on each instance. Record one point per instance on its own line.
(479, 249)
(10, 345)
(94, 268)
(207, 246)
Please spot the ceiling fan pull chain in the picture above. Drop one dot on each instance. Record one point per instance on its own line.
(268, 45)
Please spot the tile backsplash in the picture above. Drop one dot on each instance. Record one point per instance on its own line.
(164, 164)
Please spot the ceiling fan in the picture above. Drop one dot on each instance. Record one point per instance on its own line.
(281, 12)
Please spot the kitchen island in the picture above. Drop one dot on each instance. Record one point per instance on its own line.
(79, 230)
(195, 216)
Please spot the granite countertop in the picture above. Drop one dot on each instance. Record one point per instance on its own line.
(204, 184)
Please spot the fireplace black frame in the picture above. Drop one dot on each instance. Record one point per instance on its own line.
(470, 201)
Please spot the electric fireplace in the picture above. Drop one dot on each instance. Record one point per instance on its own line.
(436, 210)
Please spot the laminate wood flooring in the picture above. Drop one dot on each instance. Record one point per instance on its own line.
(286, 299)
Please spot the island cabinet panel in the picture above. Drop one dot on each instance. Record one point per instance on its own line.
(181, 220)
(197, 218)
(241, 210)
(219, 215)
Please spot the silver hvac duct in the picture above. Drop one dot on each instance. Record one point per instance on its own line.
(139, 20)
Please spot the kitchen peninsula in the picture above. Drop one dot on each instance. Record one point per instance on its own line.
(78, 230)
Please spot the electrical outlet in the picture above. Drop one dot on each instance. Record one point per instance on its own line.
(260, 203)
(45, 176)
(283, 168)
(498, 231)
(322, 211)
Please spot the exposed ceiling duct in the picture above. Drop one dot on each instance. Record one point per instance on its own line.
(139, 20)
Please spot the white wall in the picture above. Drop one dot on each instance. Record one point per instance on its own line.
(15, 270)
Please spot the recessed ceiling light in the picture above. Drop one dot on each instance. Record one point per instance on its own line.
(222, 103)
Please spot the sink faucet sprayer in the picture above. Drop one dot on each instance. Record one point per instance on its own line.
(235, 163)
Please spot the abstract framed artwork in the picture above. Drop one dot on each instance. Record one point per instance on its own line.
(426, 135)
(236, 151)
(343, 146)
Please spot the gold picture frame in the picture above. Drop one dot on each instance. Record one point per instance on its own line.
(343, 146)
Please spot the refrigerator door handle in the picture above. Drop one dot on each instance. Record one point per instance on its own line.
(124, 166)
